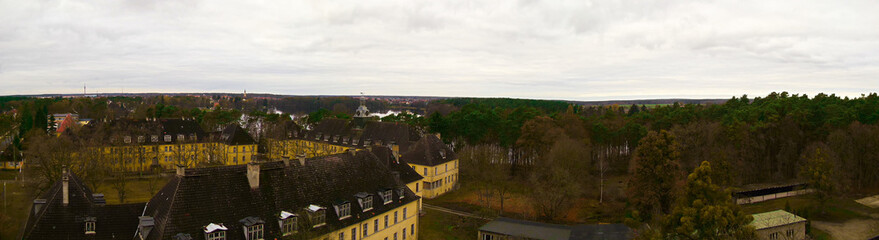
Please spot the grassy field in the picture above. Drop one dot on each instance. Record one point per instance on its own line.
(441, 225)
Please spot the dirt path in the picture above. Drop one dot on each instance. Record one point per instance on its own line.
(851, 229)
(459, 213)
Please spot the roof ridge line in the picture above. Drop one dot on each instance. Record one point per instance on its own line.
(170, 206)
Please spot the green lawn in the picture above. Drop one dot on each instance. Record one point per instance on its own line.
(441, 225)
(8, 174)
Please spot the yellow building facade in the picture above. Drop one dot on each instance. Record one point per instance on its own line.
(400, 223)
(438, 179)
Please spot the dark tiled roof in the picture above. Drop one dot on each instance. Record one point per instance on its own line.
(385, 156)
(387, 132)
(601, 232)
(56, 221)
(222, 195)
(429, 151)
(538, 230)
(235, 135)
(102, 131)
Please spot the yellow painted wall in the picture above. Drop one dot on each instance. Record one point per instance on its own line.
(10, 165)
(291, 148)
(134, 158)
(447, 173)
(408, 222)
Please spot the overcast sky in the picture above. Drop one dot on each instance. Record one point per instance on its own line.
(578, 50)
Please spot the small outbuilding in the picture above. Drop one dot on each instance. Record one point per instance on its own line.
(779, 224)
(513, 229)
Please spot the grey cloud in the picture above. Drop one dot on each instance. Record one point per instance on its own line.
(528, 48)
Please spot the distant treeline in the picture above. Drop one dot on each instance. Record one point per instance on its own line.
(761, 138)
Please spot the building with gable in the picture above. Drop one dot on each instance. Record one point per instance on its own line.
(353, 195)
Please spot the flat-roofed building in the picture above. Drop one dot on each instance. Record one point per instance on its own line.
(514, 229)
(779, 225)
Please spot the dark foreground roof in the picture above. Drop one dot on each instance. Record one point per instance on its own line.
(546, 231)
(429, 151)
(56, 221)
(386, 156)
(223, 195)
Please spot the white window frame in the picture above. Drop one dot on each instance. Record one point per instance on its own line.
(89, 227)
(167, 138)
(367, 203)
(256, 232)
(216, 235)
(344, 210)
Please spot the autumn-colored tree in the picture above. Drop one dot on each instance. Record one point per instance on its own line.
(654, 173)
(818, 171)
(706, 211)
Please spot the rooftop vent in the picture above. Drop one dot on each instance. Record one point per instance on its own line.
(146, 225)
(99, 198)
(38, 205)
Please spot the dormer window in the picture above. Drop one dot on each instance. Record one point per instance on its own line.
(215, 231)
(167, 138)
(253, 228)
(127, 139)
(288, 222)
(140, 139)
(343, 210)
(154, 138)
(386, 196)
(366, 142)
(317, 214)
(345, 139)
(193, 137)
(112, 139)
(336, 138)
(90, 225)
(180, 137)
(295, 134)
(317, 137)
(354, 141)
(443, 154)
(400, 192)
(365, 200)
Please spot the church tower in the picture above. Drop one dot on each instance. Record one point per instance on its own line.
(362, 113)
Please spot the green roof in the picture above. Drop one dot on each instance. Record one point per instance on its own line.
(774, 219)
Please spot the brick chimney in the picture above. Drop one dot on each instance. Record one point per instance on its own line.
(253, 175)
(65, 182)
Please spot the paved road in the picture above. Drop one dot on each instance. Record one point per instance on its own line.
(459, 213)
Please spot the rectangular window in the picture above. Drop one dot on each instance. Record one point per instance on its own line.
(404, 234)
(375, 223)
(89, 227)
(386, 221)
(395, 217)
(353, 233)
(486, 237)
(404, 213)
(367, 203)
(395, 236)
(386, 196)
(412, 229)
(318, 218)
(217, 235)
(342, 236)
(425, 172)
(255, 232)
(289, 225)
(344, 210)
(416, 187)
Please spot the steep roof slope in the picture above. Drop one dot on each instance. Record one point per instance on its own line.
(429, 151)
(56, 221)
(223, 194)
(235, 135)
